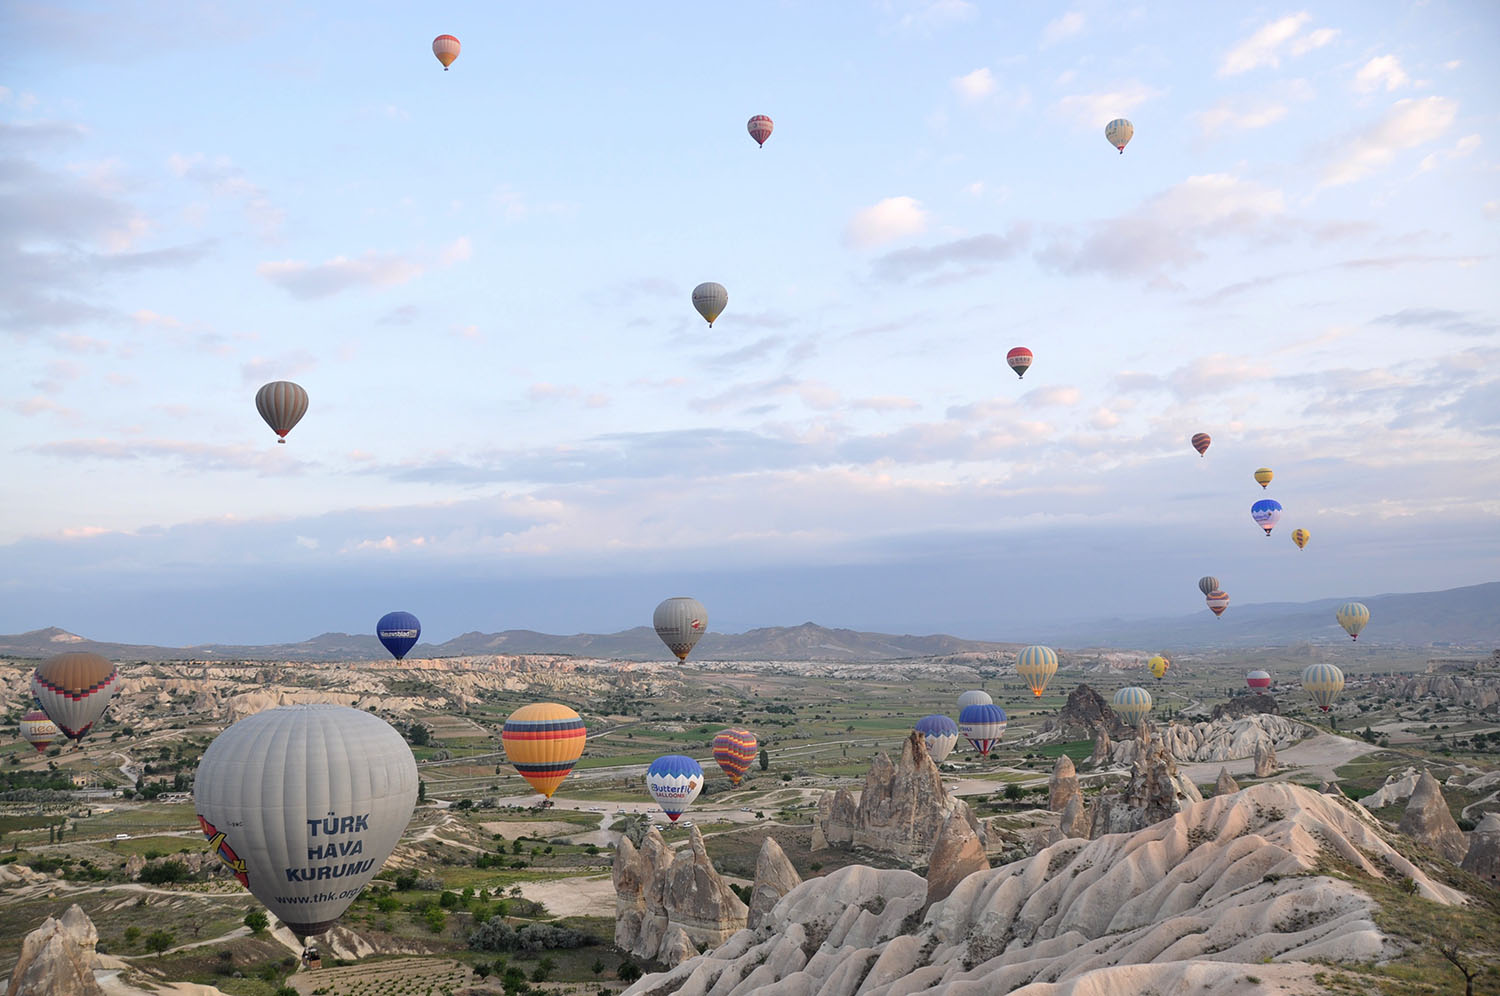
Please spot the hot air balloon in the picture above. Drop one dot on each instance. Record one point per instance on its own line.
(674, 781)
(282, 404)
(1158, 667)
(398, 632)
(1263, 476)
(1353, 616)
(1119, 132)
(1323, 682)
(681, 623)
(1208, 585)
(1037, 665)
(445, 47)
(734, 749)
(1258, 680)
(1019, 360)
(975, 697)
(1132, 704)
(543, 741)
(941, 734)
(982, 726)
(710, 299)
(305, 803)
(1201, 441)
(760, 129)
(1266, 513)
(74, 690)
(37, 730)
(1300, 537)
(1218, 601)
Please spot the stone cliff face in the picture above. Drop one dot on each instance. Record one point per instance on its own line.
(1246, 705)
(1218, 740)
(774, 878)
(1083, 717)
(1483, 858)
(900, 812)
(1155, 792)
(666, 904)
(1481, 693)
(1428, 820)
(58, 959)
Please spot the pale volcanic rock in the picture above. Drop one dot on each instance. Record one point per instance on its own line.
(1265, 761)
(1245, 705)
(774, 877)
(1155, 792)
(834, 824)
(58, 959)
(1398, 787)
(1063, 784)
(1225, 783)
(957, 854)
(697, 898)
(638, 872)
(1225, 739)
(1428, 820)
(1073, 821)
(1224, 889)
(134, 865)
(1483, 857)
(677, 947)
(1103, 747)
(1480, 693)
(1085, 713)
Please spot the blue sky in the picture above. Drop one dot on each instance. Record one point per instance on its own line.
(482, 277)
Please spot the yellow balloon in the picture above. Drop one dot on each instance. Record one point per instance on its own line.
(1300, 537)
(1158, 666)
(1263, 476)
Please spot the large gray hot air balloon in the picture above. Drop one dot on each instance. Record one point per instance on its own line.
(681, 623)
(305, 803)
(282, 404)
(976, 697)
(710, 299)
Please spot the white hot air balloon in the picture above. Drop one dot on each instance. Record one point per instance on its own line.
(305, 803)
(681, 623)
(710, 299)
(1119, 132)
(976, 697)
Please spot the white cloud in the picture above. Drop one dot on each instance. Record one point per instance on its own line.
(891, 219)
(1095, 109)
(458, 251)
(1381, 72)
(1063, 27)
(938, 12)
(1225, 114)
(314, 280)
(976, 85)
(1263, 48)
(1492, 209)
(1048, 396)
(1408, 124)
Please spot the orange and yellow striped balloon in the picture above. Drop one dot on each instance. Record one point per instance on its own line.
(543, 741)
(734, 749)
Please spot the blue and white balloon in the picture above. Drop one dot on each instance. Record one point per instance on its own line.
(674, 781)
(982, 726)
(941, 734)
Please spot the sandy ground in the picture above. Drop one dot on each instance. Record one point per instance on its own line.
(592, 895)
(1316, 756)
(514, 828)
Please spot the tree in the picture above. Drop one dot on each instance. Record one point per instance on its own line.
(159, 941)
(628, 971)
(765, 760)
(436, 919)
(421, 790)
(287, 991)
(1012, 792)
(257, 921)
(132, 935)
(1449, 950)
(482, 969)
(598, 966)
(544, 967)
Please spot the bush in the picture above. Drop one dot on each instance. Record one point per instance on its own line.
(257, 921)
(497, 935)
(164, 873)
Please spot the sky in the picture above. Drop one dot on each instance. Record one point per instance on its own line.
(482, 277)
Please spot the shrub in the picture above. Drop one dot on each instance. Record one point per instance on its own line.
(257, 921)
(497, 935)
(165, 872)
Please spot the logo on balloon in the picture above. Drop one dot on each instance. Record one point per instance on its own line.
(226, 853)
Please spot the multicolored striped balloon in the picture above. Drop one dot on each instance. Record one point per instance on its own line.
(1353, 616)
(1218, 601)
(74, 690)
(282, 404)
(941, 734)
(38, 730)
(1020, 360)
(1259, 680)
(1132, 704)
(543, 741)
(982, 726)
(446, 47)
(1201, 441)
(760, 129)
(1323, 682)
(674, 781)
(1037, 665)
(734, 749)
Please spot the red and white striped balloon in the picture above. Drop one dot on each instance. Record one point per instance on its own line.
(760, 129)
(445, 47)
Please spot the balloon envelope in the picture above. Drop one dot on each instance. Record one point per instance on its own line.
(1158, 667)
(1037, 665)
(1218, 601)
(37, 730)
(975, 697)
(543, 741)
(1019, 360)
(1208, 585)
(1263, 476)
(1323, 682)
(1353, 616)
(1266, 513)
(1119, 132)
(282, 404)
(710, 299)
(681, 623)
(982, 726)
(674, 781)
(398, 632)
(941, 734)
(760, 128)
(1201, 441)
(1132, 704)
(734, 749)
(1300, 537)
(305, 803)
(74, 690)
(1259, 680)
(446, 47)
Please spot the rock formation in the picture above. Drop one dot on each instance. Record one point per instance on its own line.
(1428, 821)
(1219, 740)
(58, 958)
(1154, 793)
(1483, 858)
(774, 878)
(1265, 760)
(1063, 785)
(1226, 784)
(1227, 888)
(957, 854)
(1245, 705)
(676, 948)
(900, 812)
(656, 892)
(1102, 747)
(1085, 714)
(1072, 822)
(1480, 693)
(1398, 787)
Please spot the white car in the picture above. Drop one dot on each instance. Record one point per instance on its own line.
(122, 836)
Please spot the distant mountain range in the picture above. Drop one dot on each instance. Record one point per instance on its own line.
(1459, 617)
